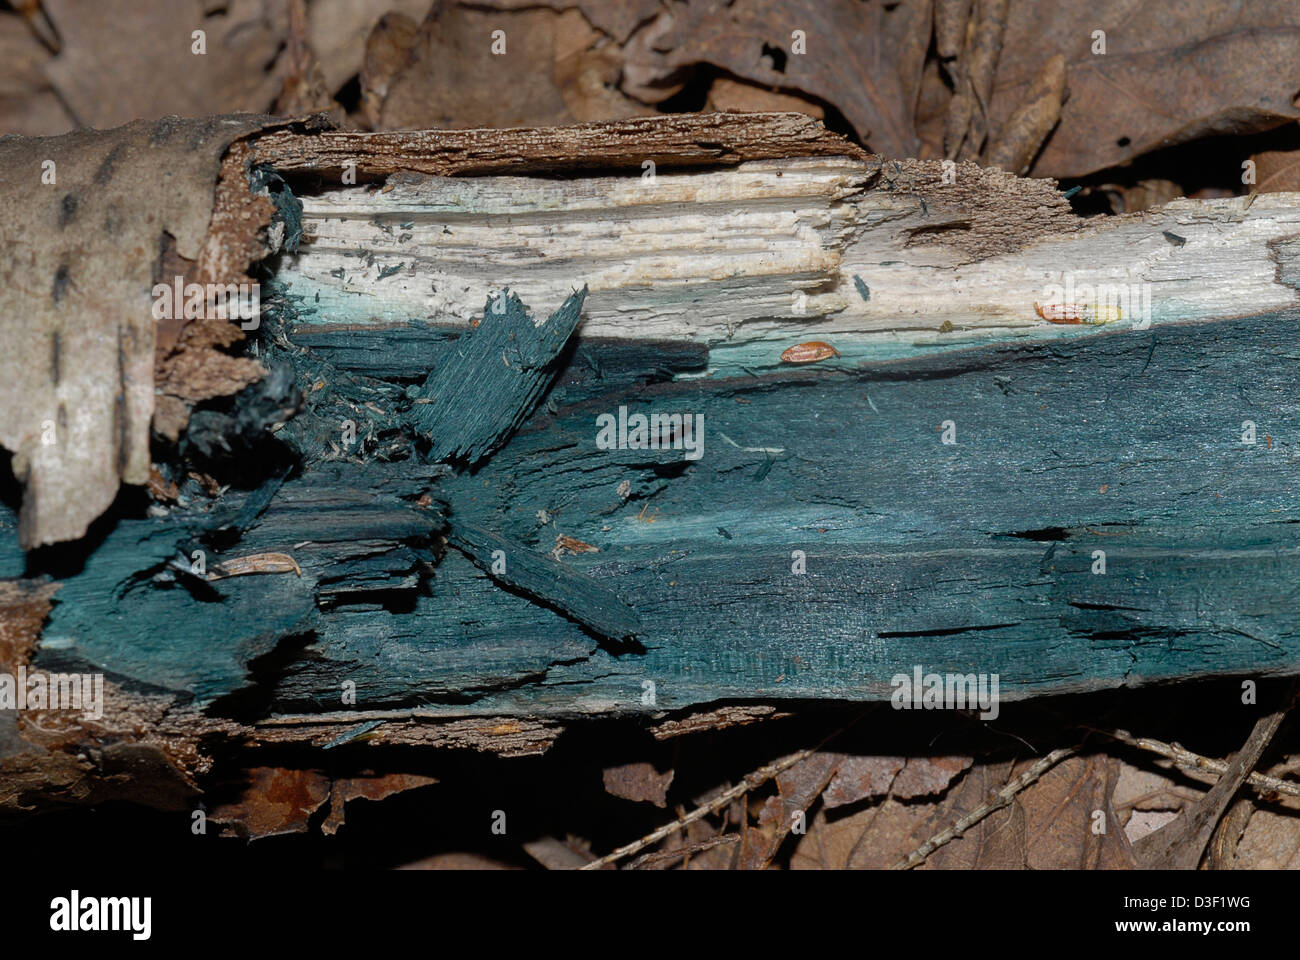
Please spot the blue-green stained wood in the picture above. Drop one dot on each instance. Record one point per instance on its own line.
(971, 557)
(489, 382)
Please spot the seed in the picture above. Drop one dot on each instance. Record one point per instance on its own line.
(256, 563)
(1076, 313)
(809, 352)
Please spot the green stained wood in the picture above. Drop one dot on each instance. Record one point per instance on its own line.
(977, 556)
(491, 379)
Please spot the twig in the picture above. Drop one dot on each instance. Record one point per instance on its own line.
(668, 856)
(1186, 758)
(752, 781)
(1180, 843)
(994, 803)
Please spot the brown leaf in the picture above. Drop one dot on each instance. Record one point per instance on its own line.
(104, 79)
(1024, 133)
(1149, 796)
(1180, 843)
(454, 79)
(303, 90)
(555, 854)
(861, 777)
(1061, 813)
(950, 19)
(1048, 825)
(1278, 170)
(367, 788)
(926, 776)
(967, 123)
(932, 111)
(877, 835)
(615, 18)
(387, 50)
(275, 801)
(866, 58)
(998, 842)
(737, 96)
(1171, 73)
(1143, 195)
(587, 71)
(1271, 840)
(638, 782)
(337, 31)
(28, 104)
(797, 789)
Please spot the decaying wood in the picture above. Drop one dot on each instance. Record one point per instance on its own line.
(83, 217)
(827, 538)
(673, 140)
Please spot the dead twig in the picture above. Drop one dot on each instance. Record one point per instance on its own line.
(660, 857)
(752, 781)
(1179, 844)
(1186, 758)
(994, 803)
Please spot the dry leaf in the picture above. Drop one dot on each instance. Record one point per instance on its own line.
(337, 31)
(1143, 195)
(639, 782)
(455, 79)
(866, 58)
(1278, 170)
(797, 789)
(860, 777)
(932, 111)
(614, 18)
(555, 854)
(28, 104)
(950, 19)
(1070, 824)
(926, 776)
(967, 124)
(736, 96)
(1181, 843)
(1271, 840)
(1170, 73)
(303, 91)
(275, 801)
(1024, 133)
(998, 842)
(367, 788)
(587, 71)
(105, 80)
(387, 50)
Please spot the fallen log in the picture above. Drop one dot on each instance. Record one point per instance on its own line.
(1055, 450)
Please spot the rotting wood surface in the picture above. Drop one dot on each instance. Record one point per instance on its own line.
(826, 539)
